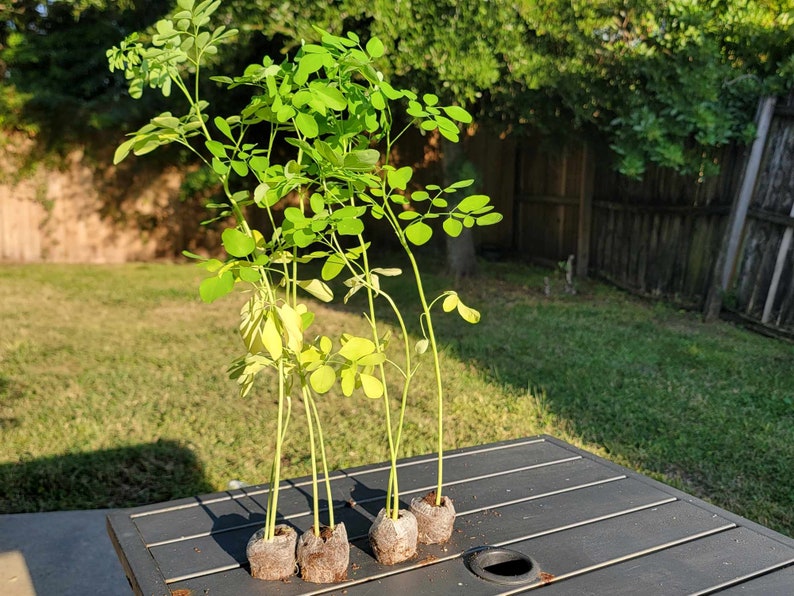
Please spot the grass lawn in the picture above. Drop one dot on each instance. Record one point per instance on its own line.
(113, 389)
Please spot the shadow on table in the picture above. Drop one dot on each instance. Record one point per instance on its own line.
(123, 477)
(357, 511)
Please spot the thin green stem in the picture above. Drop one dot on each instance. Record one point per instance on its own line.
(313, 452)
(324, 460)
(392, 508)
(272, 503)
(431, 336)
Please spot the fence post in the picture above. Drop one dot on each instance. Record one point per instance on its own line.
(726, 261)
(585, 213)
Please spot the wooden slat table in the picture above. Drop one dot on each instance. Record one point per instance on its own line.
(590, 526)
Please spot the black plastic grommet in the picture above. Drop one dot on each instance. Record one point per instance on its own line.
(501, 565)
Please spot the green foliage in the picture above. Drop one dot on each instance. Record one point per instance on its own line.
(330, 106)
(663, 82)
(52, 62)
(666, 83)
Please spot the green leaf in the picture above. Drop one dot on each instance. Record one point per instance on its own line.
(123, 151)
(333, 266)
(473, 202)
(166, 121)
(375, 47)
(457, 113)
(362, 160)
(304, 238)
(284, 113)
(452, 227)
(296, 216)
(307, 125)
(216, 287)
(348, 378)
(356, 347)
(468, 314)
(216, 148)
(317, 203)
(390, 92)
(317, 288)
(237, 243)
(462, 184)
(350, 227)
(418, 233)
(449, 134)
(489, 219)
(250, 274)
(219, 167)
(223, 126)
(422, 345)
(415, 110)
(372, 386)
(399, 178)
(388, 271)
(309, 64)
(326, 345)
(329, 96)
(240, 167)
(378, 101)
(450, 302)
(327, 152)
(271, 338)
(192, 255)
(373, 359)
(323, 379)
(430, 99)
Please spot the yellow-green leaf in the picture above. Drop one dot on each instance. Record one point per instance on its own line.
(123, 151)
(317, 288)
(357, 347)
(323, 379)
(372, 386)
(271, 338)
(292, 322)
(450, 302)
(348, 379)
(468, 314)
(326, 345)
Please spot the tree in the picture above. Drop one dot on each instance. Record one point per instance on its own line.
(53, 63)
(663, 82)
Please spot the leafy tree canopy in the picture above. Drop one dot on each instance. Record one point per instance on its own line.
(664, 82)
(52, 59)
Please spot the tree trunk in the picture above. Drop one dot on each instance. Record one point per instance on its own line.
(461, 256)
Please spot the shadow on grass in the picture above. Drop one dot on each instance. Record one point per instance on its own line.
(123, 477)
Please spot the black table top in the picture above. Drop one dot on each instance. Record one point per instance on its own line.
(590, 526)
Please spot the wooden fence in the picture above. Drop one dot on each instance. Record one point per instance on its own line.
(665, 236)
(762, 286)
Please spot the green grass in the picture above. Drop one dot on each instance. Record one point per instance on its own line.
(113, 389)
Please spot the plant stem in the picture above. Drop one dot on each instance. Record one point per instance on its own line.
(313, 452)
(324, 460)
(431, 336)
(272, 504)
(392, 492)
